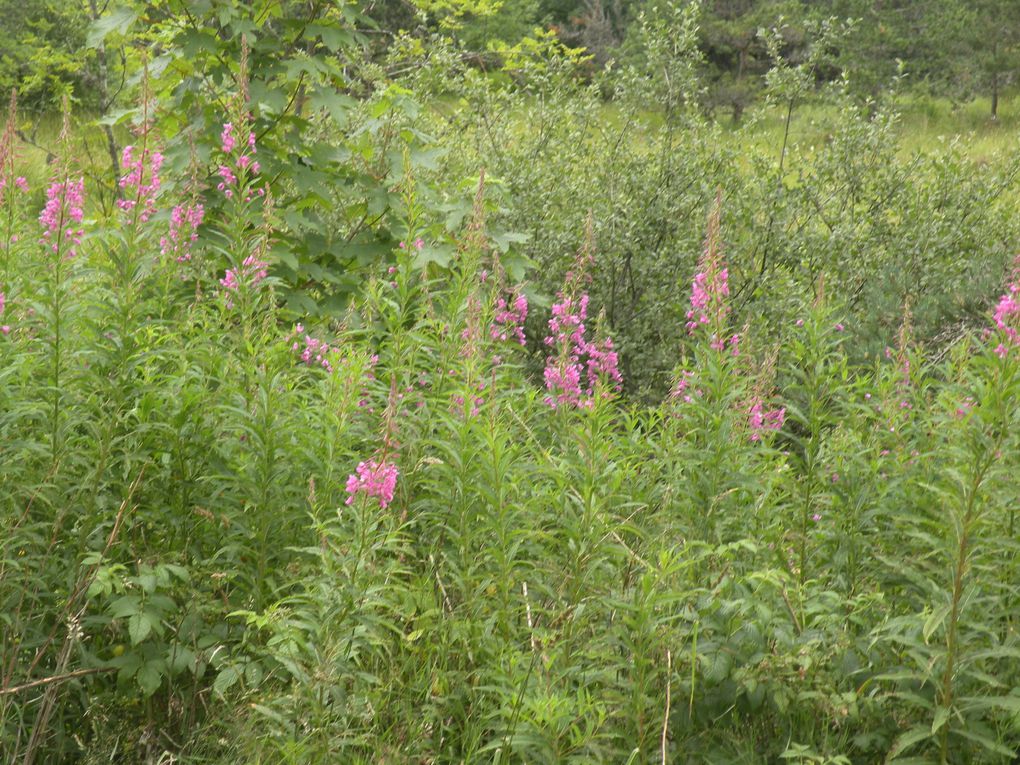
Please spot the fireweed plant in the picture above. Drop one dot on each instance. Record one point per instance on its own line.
(233, 534)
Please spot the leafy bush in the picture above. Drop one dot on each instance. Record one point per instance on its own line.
(933, 228)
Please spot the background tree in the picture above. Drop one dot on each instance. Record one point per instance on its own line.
(42, 53)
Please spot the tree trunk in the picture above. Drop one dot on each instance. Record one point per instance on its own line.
(995, 95)
(104, 100)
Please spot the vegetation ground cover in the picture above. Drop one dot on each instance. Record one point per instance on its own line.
(368, 406)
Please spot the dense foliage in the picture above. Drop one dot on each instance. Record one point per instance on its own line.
(956, 48)
(361, 405)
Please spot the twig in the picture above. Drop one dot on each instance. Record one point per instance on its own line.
(527, 609)
(665, 717)
(789, 607)
(55, 679)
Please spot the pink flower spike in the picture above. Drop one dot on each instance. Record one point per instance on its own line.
(64, 206)
(373, 479)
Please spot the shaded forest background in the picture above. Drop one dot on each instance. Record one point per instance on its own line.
(957, 49)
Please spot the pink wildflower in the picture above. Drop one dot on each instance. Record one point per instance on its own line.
(683, 387)
(509, 319)
(64, 208)
(239, 165)
(373, 479)
(250, 274)
(965, 407)
(710, 289)
(1007, 313)
(227, 140)
(760, 420)
(603, 363)
(184, 223)
(315, 352)
(140, 183)
(564, 371)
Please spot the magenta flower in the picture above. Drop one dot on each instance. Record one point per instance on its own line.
(236, 165)
(603, 364)
(1007, 313)
(251, 273)
(315, 352)
(683, 388)
(227, 140)
(759, 420)
(564, 372)
(63, 210)
(710, 290)
(373, 479)
(140, 184)
(509, 319)
(184, 223)
(19, 182)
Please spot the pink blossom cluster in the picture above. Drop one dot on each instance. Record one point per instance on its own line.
(184, 223)
(20, 182)
(603, 362)
(365, 402)
(245, 162)
(64, 208)
(708, 295)
(684, 387)
(1007, 314)
(710, 290)
(510, 317)
(760, 420)
(315, 352)
(140, 184)
(476, 402)
(965, 407)
(373, 479)
(417, 244)
(250, 274)
(565, 371)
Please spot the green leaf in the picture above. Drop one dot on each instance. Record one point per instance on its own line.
(128, 605)
(118, 20)
(333, 37)
(908, 738)
(941, 717)
(139, 627)
(440, 254)
(972, 733)
(934, 621)
(150, 677)
(227, 677)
